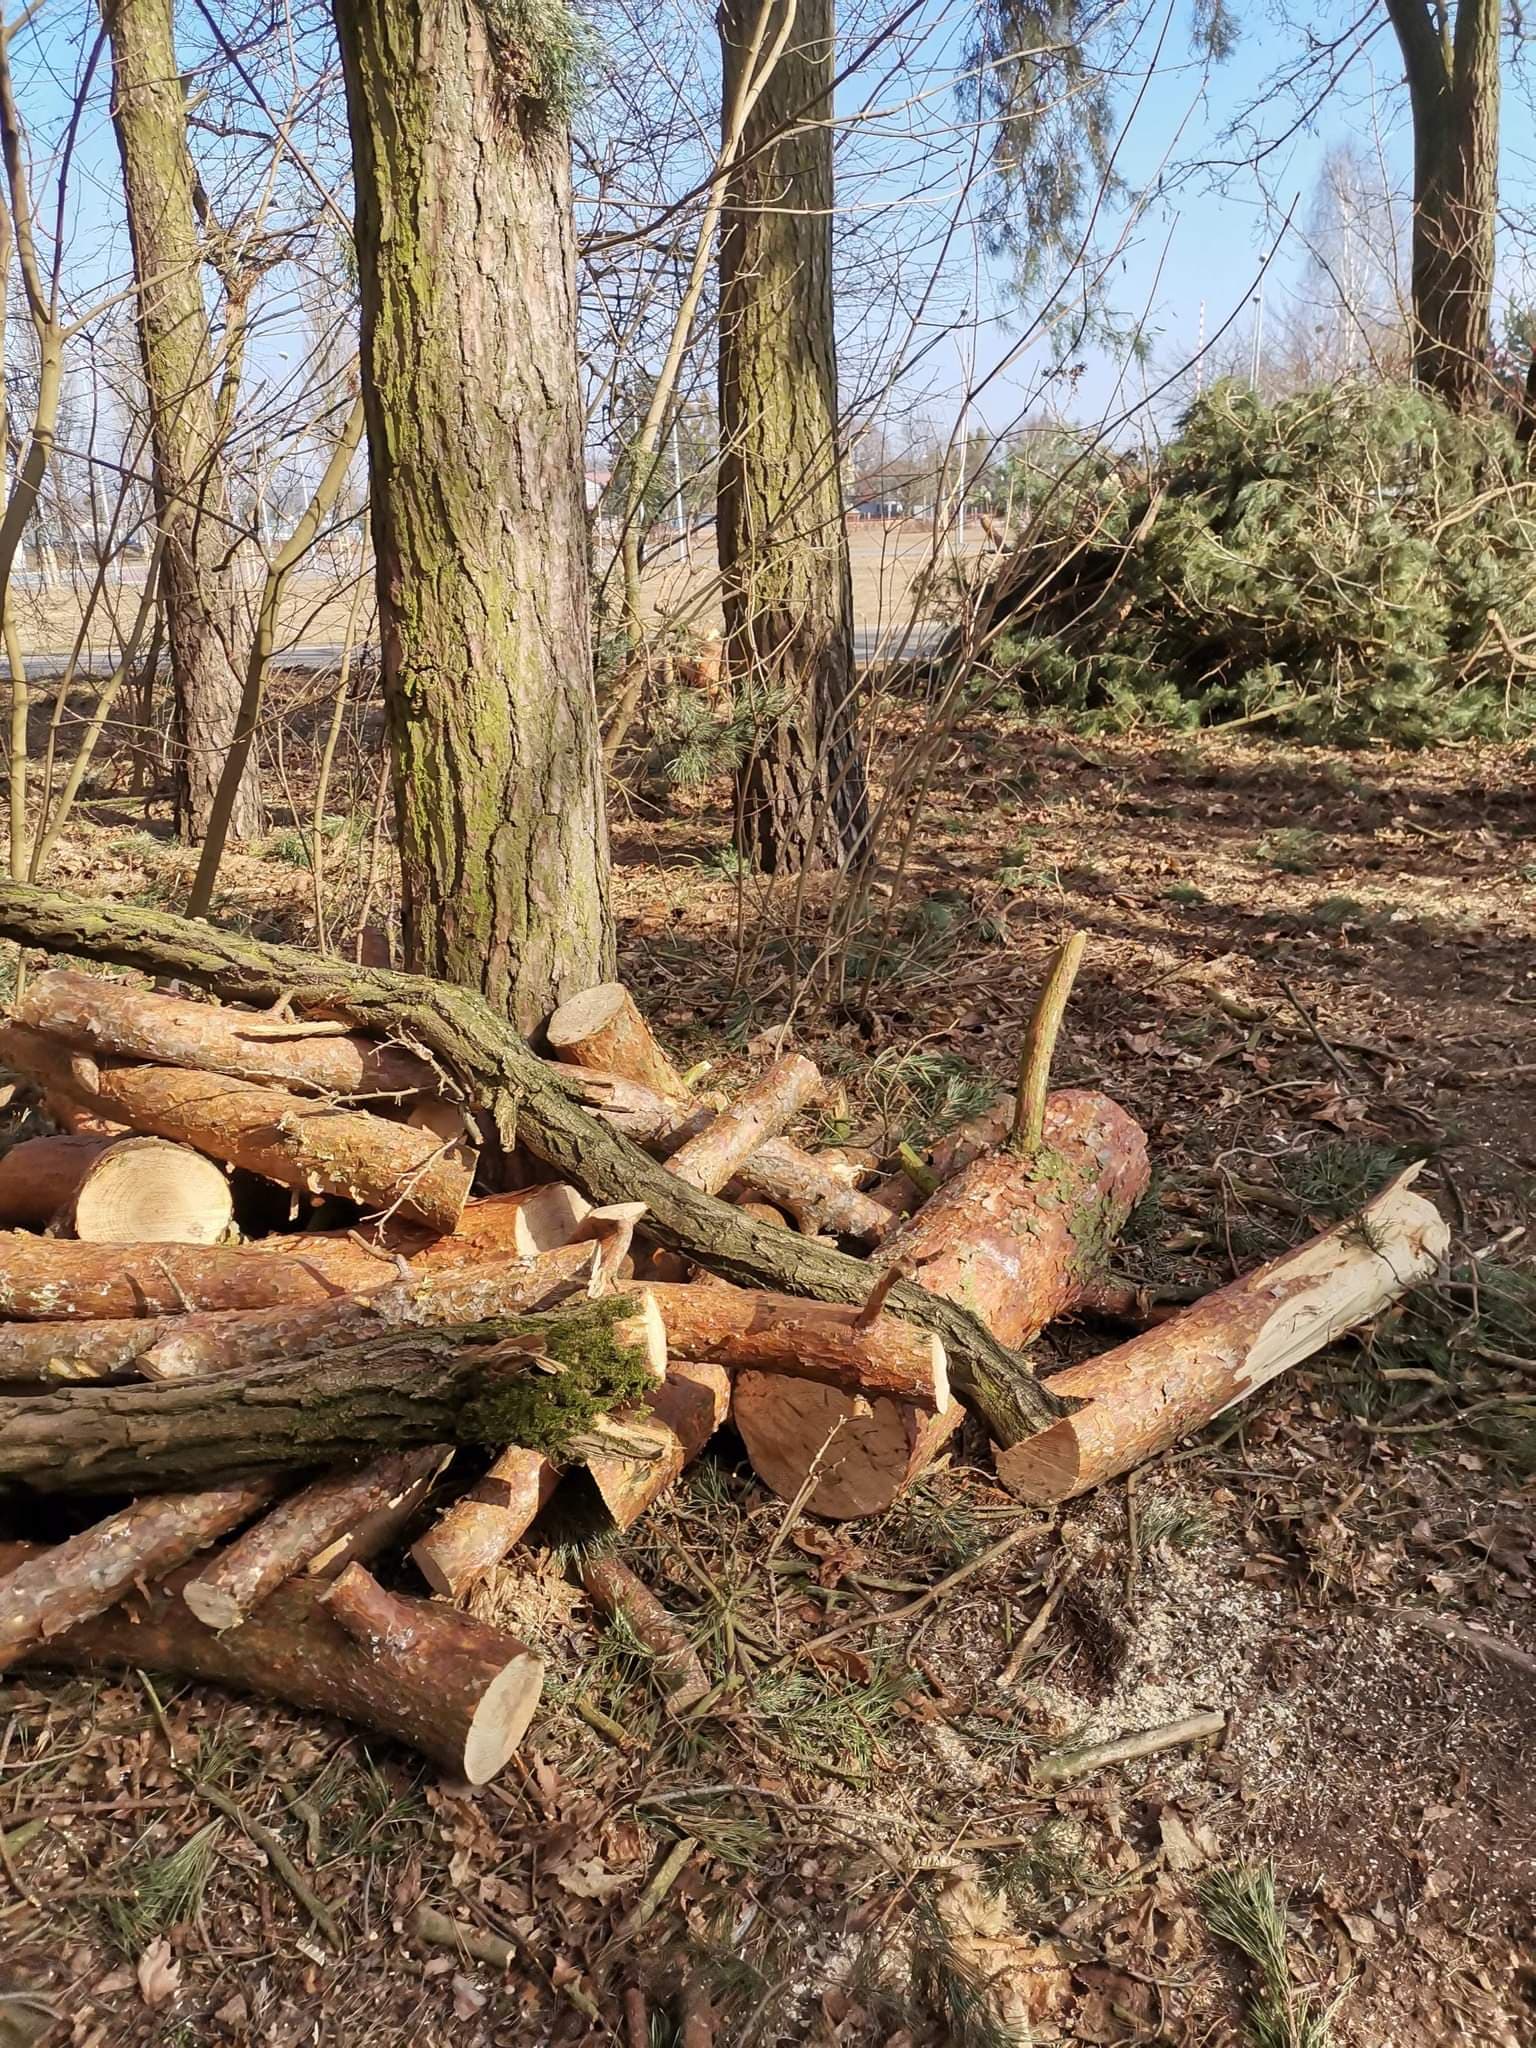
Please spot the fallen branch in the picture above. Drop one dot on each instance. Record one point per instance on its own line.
(1094, 1756)
(55, 1280)
(615, 1591)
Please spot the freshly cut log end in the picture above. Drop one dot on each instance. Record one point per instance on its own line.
(39, 1176)
(684, 1414)
(149, 1191)
(865, 1454)
(709, 1160)
(1144, 1395)
(603, 1028)
(298, 1529)
(1016, 1240)
(83, 1577)
(453, 1688)
(473, 1536)
(486, 1693)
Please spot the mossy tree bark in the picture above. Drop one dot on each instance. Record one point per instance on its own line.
(1452, 67)
(801, 795)
(466, 262)
(149, 114)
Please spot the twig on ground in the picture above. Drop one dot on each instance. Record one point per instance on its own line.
(667, 1872)
(994, 1555)
(1314, 1032)
(1009, 1675)
(1094, 1756)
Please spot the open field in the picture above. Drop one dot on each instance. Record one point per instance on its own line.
(1293, 1010)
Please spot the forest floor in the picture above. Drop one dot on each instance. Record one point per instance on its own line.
(1304, 969)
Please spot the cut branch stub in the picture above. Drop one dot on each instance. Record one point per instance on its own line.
(1144, 1395)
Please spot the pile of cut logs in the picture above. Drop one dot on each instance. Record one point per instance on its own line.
(248, 1282)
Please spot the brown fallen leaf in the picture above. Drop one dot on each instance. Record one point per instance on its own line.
(158, 1972)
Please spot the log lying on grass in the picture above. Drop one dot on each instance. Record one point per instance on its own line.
(186, 1347)
(149, 1191)
(1018, 1238)
(297, 1142)
(91, 1572)
(493, 1068)
(56, 1280)
(614, 1591)
(444, 1684)
(1144, 1395)
(116, 1019)
(863, 1454)
(533, 1378)
(829, 1342)
(300, 1529)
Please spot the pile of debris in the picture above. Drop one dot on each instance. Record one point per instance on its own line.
(250, 1282)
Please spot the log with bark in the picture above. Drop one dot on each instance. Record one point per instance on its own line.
(533, 1378)
(92, 1571)
(149, 1191)
(297, 1141)
(308, 1524)
(186, 1347)
(117, 1020)
(56, 1280)
(1144, 1395)
(614, 1591)
(603, 1028)
(1018, 1237)
(455, 1689)
(681, 1416)
(523, 1223)
(39, 1176)
(527, 1103)
(857, 1456)
(472, 1537)
(712, 1156)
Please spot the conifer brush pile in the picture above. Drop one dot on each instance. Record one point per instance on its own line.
(333, 1336)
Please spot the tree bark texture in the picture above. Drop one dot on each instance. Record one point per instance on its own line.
(528, 1103)
(1143, 1396)
(54, 1280)
(149, 113)
(708, 1160)
(39, 1176)
(298, 1142)
(444, 1684)
(392, 1392)
(1453, 89)
(786, 589)
(124, 1022)
(466, 263)
(92, 1571)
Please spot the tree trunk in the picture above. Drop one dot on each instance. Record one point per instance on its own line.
(801, 796)
(466, 262)
(468, 1384)
(1453, 87)
(528, 1103)
(451, 1687)
(191, 506)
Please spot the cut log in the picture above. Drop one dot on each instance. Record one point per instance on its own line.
(297, 1530)
(473, 1536)
(813, 1192)
(448, 1686)
(187, 1347)
(492, 1067)
(149, 1191)
(602, 1028)
(117, 1020)
(864, 1454)
(76, 1121)
(685, 1412)
(645, 1116)
(812, 1340)
(614, 1590)
(1016, 1240)
(708, 1160)
(484, 1383)
(298, 1143)
(39, 1176)
(381, 1529)
(56, 1280)
(92, 1571)
(1144, 1395)
(520, 1225)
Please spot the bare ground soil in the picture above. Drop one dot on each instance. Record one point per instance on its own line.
(1305, 970)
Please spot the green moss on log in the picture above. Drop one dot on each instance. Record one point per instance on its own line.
(594, 1371)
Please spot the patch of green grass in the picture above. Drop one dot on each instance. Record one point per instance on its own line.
(1243, 1908)
(1056, 1863)
(163, 1890)
(1168, 1524)
(819, 1723)
(1333, 913)
(921, 1095)
(1294, 849)
(939, 1521)
(1336, 1178)
(1184, 892)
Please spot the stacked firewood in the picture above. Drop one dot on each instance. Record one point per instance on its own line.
(249, 1281)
